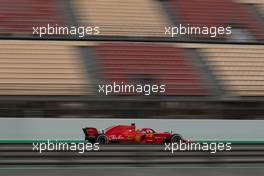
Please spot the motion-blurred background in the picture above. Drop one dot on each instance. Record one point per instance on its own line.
(58, 76)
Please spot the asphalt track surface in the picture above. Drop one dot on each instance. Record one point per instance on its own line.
(112, 155)
(135, 171)
(132, 160)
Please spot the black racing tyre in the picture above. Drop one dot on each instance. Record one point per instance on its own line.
(102, 139)
(175, 138)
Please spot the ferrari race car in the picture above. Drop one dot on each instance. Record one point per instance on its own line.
(129, 134)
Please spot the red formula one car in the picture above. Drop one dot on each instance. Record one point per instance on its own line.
(129, 134)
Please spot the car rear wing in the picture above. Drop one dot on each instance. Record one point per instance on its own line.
(90, 131)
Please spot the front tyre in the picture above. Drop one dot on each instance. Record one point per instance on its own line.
(102, 139)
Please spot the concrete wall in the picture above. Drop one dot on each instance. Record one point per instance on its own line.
(71, 129)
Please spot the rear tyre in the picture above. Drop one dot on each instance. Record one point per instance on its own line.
(175, 138)
(102, 139)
